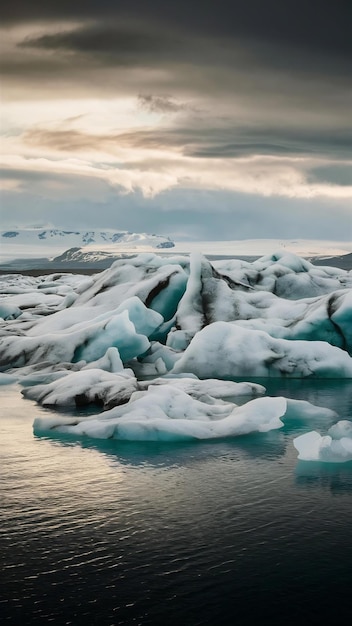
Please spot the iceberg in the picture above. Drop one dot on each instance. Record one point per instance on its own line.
(226, 350)
(166, 345)
(212, 297)
(335, 447)
(287, 275)
(107, 388)
(169, 414)
(89, 342)
(85, 387)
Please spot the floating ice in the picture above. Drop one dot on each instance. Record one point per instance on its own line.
(168, 414)
(159, 283)
(85, 387)
(287, 275)
(212, 297)
(93, 385)
(335, 447)
(341, 429)
(68, 340)
(89, 343)
(62, 338)
(226, 350)
(212, 387)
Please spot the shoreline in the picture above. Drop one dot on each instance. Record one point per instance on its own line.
(343, 262)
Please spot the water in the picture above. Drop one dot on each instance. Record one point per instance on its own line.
(219, 533)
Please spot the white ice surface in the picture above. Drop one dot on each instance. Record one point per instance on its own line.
(167, 413)
(84, 387)
(212, 387)
(49, 242)
(109, 388)
(226, 350)
(68, 339)
(211, 297)
(335, 447)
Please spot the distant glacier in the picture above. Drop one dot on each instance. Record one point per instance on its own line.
(50, 242)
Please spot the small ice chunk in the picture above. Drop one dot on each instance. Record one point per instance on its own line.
(335, 447)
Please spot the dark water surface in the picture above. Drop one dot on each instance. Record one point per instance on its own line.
(221, 533)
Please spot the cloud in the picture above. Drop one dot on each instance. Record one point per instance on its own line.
(157, 41)
(319, 25)
(116, 43)
(334, 173)
(261, 175)
(206, 139)
(187, 214)
(156, 102)
(161, 104)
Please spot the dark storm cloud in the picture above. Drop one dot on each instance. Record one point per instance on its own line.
(117, 44)
(276, 142)
(204, 140)
(231, 79)
(244, 47)
(152, 43)
(323, 25)
(228, 55)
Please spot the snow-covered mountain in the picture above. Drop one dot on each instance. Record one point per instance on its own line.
(31, 248)
(31, 243)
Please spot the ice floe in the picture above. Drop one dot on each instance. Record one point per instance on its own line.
(167, 413)
(165, 345)
(335, 447)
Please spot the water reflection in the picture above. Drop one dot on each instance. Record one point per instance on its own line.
(336, 477)
(109, 532)
(269, 446)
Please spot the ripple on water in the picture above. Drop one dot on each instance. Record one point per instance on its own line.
(206, 533)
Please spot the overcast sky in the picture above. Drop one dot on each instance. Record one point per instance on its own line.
(193, 119)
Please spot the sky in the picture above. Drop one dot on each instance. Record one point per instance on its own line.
(193, 119)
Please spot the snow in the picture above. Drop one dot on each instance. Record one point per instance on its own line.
(255, 247)
(94, 246)
(50, 242)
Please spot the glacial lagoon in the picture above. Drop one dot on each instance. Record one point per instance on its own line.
(134, 492)
(232, 531)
